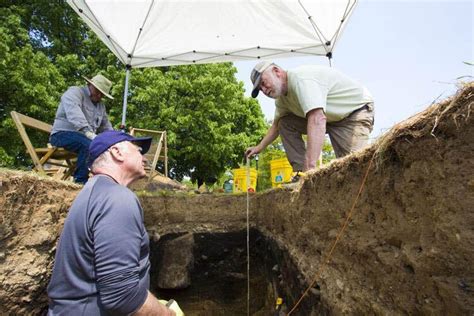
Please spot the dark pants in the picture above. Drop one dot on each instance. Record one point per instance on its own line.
(79, 144)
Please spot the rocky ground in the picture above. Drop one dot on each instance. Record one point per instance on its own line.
(408, 248)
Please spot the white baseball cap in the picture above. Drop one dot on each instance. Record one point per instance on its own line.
(256, 76)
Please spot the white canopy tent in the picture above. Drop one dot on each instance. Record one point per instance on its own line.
(149, 33)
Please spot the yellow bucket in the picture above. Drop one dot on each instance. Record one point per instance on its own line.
(280, 170)
(240, 180)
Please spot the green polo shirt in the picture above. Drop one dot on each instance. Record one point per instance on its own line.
(313, 87)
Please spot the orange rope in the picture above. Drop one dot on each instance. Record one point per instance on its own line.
(339, 235)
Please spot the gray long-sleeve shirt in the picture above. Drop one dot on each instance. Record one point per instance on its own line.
(102, 259)
(77, 113)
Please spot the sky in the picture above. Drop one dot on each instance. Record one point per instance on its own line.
(407, 53)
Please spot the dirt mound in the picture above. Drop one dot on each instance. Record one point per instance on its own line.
(158, 183)
(407, 250)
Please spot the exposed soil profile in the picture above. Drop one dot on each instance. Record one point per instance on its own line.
(219, 276)
(409, 248)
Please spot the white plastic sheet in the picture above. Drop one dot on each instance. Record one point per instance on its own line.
(147, 33)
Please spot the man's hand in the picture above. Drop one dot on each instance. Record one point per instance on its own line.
(173, 306)
(90, 135)
(308, 165)
(252, 151)
(153, 307)
(271, 135)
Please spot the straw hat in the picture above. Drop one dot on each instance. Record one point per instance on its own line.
(102, 84)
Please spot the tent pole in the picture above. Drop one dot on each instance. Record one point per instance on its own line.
(125, 94)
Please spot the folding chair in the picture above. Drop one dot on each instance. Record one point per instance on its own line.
(50, 160)
(158, 144)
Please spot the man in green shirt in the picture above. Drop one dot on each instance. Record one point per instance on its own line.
(313, 100)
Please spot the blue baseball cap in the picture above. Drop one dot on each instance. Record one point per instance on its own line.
(105, 140)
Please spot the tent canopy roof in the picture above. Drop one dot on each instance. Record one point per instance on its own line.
(149, 33)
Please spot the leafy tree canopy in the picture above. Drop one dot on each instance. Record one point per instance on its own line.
(208, 119)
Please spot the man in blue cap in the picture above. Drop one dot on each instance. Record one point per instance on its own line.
(102, 260)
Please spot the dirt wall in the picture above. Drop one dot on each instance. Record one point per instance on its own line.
(32, 213)
(407, 250)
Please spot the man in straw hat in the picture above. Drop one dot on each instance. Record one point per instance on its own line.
(102, 264)
(80, 116)
(313, 100)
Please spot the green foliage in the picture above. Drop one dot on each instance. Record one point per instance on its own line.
(45, 47)
(55, 29)
(29, 83)
(328, 152)
(5, 160)
(209, 121)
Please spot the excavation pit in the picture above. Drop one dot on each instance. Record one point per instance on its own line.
(218, 275)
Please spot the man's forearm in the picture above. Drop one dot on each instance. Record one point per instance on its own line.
(271, 135)
(316, 130)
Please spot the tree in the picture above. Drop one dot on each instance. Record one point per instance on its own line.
(29, 83)
(208, 119)
(45, 48)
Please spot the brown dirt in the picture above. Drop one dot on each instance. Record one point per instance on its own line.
(158, 183)
(407, 250)
(33, 210)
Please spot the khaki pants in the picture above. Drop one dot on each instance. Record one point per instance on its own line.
(347, 136)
